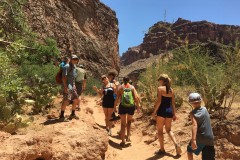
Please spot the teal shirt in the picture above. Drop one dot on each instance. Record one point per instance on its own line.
(71, 74)
(204, 129)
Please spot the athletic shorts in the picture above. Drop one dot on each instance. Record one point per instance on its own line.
(165, 112)
(208, 152)
(79, 88)
(126, 110)
(71, 95)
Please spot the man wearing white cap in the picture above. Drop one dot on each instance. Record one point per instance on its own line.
(202, 135)
(69, 88)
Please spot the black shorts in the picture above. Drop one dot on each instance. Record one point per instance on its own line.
(165, 112)
(208, 152)
(79, 87)
(126, 110)
(108, 103)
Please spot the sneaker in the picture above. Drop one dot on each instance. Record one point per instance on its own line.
(160, 152)
(61, 119)
(122, 144)
(113, 114)
(116, 118)
(109, 132)
(73, 116)
(119, 132)
(178, 149)
(78, 109)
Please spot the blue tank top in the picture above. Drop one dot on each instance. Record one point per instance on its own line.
(166, 102)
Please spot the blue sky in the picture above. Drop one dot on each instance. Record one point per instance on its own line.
(136, 16)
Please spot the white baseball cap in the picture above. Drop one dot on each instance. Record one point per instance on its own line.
(194, 97)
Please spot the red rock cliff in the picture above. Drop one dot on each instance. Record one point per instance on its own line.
(87, 28)
(164, 36)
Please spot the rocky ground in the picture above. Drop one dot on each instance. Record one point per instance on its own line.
(87, 139)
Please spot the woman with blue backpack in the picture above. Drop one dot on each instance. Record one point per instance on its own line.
(128, 97)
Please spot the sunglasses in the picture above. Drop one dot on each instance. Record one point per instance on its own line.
(103, 78)
(75, 59)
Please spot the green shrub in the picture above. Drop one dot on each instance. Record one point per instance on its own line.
(39, 73)
(195, 66)
(91, 81)
(25, 62)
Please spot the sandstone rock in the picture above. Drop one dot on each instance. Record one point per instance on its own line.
(164, 36)
(87, 28)
(77, 139)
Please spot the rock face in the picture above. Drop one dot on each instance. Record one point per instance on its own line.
(87, 28)
(74, 140)
(164, 36)
(227, 139)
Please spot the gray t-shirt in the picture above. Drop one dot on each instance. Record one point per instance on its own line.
(204, 129)
(70, 72)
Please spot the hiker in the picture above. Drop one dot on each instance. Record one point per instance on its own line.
(111, 76)
(80, 82)
(202, 135)
(58, 76)
(64, 61)
(165, 112)
(107, 100)
(69, 88)
(127, 96)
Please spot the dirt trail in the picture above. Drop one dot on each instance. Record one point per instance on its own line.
(138, 150)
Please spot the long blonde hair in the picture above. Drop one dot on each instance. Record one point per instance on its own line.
(166, 82)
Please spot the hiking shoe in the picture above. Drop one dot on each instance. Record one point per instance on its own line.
(122, 144)
(109, 132)
(128, 139)
(116, 118)
(61, 118)
(178, 149)
(160, 152)
(119, 132)
(113, 114)
(73, 116)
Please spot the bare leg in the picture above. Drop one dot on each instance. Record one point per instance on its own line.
(79, 101)
(160, 123)
(64, 105)
(75, 102)
(190, 156)
(168, 125)
(123, 126)
(106, 116)
(129, 121)
(109, 116)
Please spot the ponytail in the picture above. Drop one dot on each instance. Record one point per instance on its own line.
(166, 82)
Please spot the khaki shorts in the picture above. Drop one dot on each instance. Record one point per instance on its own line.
(71, 95)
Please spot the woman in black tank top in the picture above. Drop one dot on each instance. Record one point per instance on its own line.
(107, 95)
(164, 112)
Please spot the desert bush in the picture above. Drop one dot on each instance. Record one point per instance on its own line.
(25, 62)
(148, 83)
(92, 81)
(195, 66)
